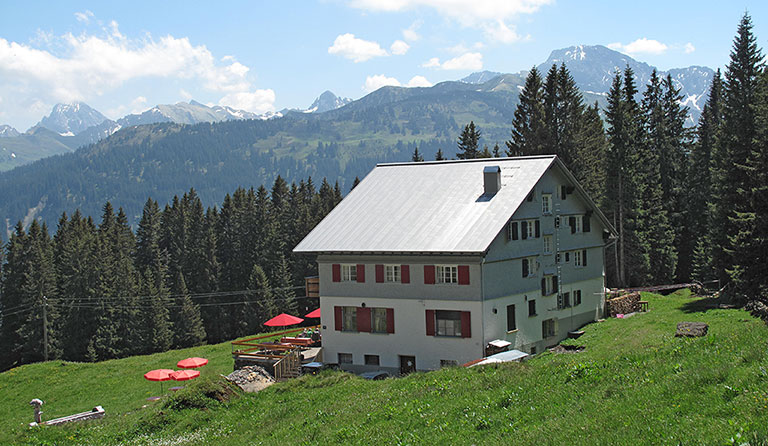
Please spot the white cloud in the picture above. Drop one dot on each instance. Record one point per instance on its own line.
(399, 48)
(465, 12)
(258, 101)
(418, 81)
(500, 32)
(185, 94)
(640, 46)
(84, 16)
(373, 83)
(357, 50)
(410, 33)
(87, 66)
(689, 48)
(467, 61)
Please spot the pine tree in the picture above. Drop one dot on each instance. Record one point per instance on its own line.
(417, 158)
(468, 142)
(439, 155)
(157, 328)
(734, 146)
(485, 153)
(496, 151)
(187, 323)
(588, 165)
(285, 296)
(14, 307)
(262, 300)
(699, 190)
(529, 131)
(563, 109)
(357, 181)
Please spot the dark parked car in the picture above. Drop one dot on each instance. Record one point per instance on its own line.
(313, 368)
(377, 375)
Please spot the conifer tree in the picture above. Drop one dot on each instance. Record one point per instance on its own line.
(588, 164)
(188, 330)
(468, 142)
(496, 151)
(734, 145)
(439, 155)
(485, 153)
(529, 131)
(263, 304)
(357, 181)
(283, 292)
(14, 307)
(417, 158)
(157, 333)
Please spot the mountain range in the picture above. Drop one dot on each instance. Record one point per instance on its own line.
(334, 138)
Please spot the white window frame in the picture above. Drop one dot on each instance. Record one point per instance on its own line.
(345, 356)
(449, 272)
(578, 221)
(546, 204)
(533, 266)
(349, 319)
(392, 274)
(530, 227)
(348, 272)
(548, 245)
(378, 320)
(447, 327)
(550, 325)
(577, 260)
(548, 285)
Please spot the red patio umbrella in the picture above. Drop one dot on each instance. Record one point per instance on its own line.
(159, 375)
(185, 375)
(191, 363)
(314, 314)
(281, 320)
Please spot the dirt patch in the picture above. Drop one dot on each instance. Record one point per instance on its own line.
(251, 378)
(567, 348)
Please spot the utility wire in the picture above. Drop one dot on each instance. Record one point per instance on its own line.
(192, 296)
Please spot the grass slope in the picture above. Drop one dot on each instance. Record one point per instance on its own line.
(634, 384)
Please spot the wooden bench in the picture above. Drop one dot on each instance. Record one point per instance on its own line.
(643, 305)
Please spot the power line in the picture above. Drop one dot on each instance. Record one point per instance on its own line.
(191, 296)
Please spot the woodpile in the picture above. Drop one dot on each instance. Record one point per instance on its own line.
(625, 304)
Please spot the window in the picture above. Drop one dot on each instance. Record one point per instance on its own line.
(577, 297)
(448, 323)
(575, 221)
(567, 257)
(511, 324)
(378, 320)
(392, 273)
(532, 307)
(548, 328)
(530, 227)
(512, 233)
(548, 285)
(547, 244)
(345, 358)
(577, 259)
(448, 363)
(530, 267)
(533, 350)
(447, 274)
(563, 301)
(348, 318)
(371, 359)
(349, 273)
(546, 203)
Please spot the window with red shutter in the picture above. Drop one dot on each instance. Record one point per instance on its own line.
(360, 273)
(379, 273)
(463, 274)
(405, 273)
(429, 274)
(466, 325)
(430, 322)
(336, 268)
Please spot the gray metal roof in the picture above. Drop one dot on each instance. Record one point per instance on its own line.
(429, 207)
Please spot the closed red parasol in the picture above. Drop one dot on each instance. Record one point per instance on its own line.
(184, 375)
(191, 363)
(281, 320)
(314, 314)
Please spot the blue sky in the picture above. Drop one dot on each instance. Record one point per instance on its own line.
(123, 57)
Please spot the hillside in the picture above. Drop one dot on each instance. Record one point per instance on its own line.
(634, 383)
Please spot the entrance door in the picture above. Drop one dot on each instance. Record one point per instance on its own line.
(407, 364)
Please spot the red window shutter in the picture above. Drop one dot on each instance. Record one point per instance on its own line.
(463, 274)
(405, 273)
(390, 320)
(379, 273)
(466, 325)
(360, 273)
(429, 274)
(430, 322)
(364, 319)
(336, 273)
(337, 318)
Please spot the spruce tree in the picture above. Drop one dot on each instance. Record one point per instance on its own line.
(588, 164)
(529, 131)
(439, 155)
(261, 301)
(734, 145)
(188, 330)
(14, 307)
(416, 157)
(468, 142)
(496, 151)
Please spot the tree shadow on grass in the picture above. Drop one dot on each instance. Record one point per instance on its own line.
(701, 305)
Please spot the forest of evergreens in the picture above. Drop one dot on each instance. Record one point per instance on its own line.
(188, 275)
(688, 204)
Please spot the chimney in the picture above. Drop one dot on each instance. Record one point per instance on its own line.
(491, 180)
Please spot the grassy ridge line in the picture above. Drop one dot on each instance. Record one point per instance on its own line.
(634, 384)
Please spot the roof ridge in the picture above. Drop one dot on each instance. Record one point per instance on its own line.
(475, 160)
